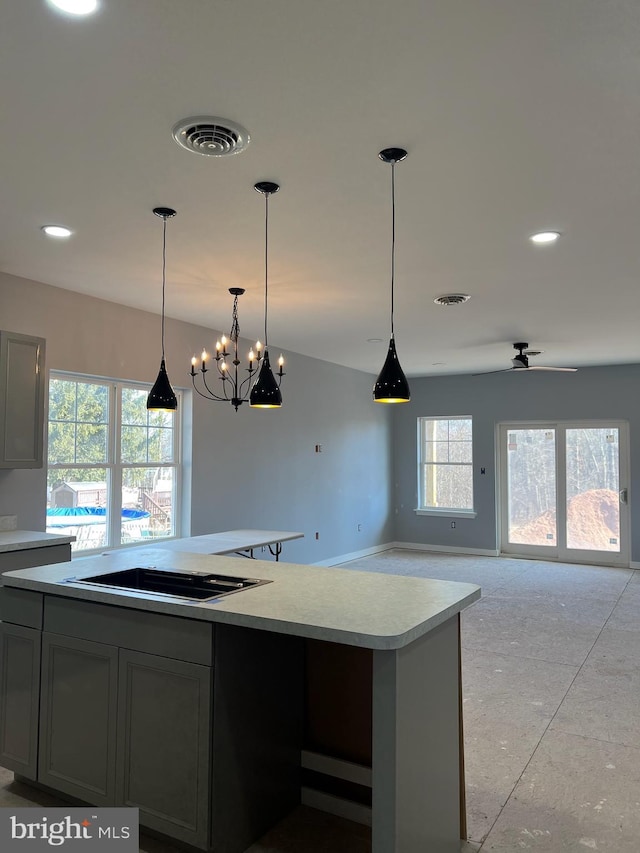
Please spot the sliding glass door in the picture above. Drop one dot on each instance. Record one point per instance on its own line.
(563, 491)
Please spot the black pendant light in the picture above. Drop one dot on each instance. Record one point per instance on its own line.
(266, 393)
(161, 397)
(391, 385)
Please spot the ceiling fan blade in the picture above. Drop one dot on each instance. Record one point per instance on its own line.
(489, 372)
(555, 369)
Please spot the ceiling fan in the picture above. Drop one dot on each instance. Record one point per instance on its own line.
(520, 362)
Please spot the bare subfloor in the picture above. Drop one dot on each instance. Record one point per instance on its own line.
(551, 671)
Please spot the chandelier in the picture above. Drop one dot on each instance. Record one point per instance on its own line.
(259, 386)
(235, 389)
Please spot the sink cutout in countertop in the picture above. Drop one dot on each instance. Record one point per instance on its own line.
(195, 586)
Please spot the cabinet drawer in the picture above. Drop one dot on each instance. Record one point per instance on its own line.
(21, 607)
(138, 630)
(28, 558)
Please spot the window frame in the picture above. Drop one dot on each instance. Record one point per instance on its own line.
(422, 508)
(114, 465)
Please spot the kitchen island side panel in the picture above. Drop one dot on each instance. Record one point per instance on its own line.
(416, 747)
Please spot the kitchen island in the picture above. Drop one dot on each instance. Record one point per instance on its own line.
(23, 549)
(134, 680)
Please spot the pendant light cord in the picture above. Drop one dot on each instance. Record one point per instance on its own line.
(164, 258)
(266, 264)
(393, 237)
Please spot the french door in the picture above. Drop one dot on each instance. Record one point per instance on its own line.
(563, 491)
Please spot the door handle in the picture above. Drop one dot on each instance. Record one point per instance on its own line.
(623, 494)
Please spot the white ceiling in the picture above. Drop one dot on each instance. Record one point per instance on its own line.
(518, 116)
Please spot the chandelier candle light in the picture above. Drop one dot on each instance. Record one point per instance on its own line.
(391, 386)
(234, 389)
(161, 397)
(266, 393)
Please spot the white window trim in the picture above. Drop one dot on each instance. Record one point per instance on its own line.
(443, 512)
(447, 513)
(113, 468)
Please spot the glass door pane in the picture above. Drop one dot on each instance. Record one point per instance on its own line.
(531, 485)
(593, 485)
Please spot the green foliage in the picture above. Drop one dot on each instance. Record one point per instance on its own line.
(78, 416)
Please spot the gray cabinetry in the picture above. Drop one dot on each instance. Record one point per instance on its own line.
(21, 400)
(164, 743)
(19, 698)
(199, 727)
(28, 558)
(78, 718)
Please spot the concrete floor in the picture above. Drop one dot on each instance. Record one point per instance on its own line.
(551, 675)
(551, 671)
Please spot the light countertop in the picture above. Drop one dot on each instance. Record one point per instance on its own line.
(356, 608)
(227, 542)
(21, 540)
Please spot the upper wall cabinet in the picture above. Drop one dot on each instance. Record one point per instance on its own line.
(21, 400)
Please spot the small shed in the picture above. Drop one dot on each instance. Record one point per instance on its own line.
(74, 494)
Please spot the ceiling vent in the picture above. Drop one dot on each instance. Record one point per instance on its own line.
(211, 136)
(452, 299)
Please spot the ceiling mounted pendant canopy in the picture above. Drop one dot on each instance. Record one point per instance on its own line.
(266, 393)
(162, 397)
(235, 390)
(391, 386)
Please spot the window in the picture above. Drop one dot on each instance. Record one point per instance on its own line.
(113, 468)
(445, 470)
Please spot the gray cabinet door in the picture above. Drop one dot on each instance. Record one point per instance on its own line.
(19, 698)
(78, 718)
(164, 737)
(21, 400)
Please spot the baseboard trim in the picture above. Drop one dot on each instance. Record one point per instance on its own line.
(337, 767)
(355, 555)
(408, 546)
(336, 805)
(445, 549)
(634, 564)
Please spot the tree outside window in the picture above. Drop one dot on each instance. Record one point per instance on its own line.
(445, 464)
(113, 467)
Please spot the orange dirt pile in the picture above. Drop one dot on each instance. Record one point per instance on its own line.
(593, 521)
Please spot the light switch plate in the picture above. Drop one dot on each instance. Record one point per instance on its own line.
(8, 522)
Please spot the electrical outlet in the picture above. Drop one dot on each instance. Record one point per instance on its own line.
(453, 525)
(359, 528)
(317, 535)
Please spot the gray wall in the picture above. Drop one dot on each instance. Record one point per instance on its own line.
(591, 393)
(252, 468)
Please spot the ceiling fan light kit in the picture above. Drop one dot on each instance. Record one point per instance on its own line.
(520, 362)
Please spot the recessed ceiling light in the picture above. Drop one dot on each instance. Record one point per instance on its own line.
(56, 231)
(75, 7)
(374, 340)
(544, 237)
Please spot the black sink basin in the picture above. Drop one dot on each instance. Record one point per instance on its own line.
(180, 584)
